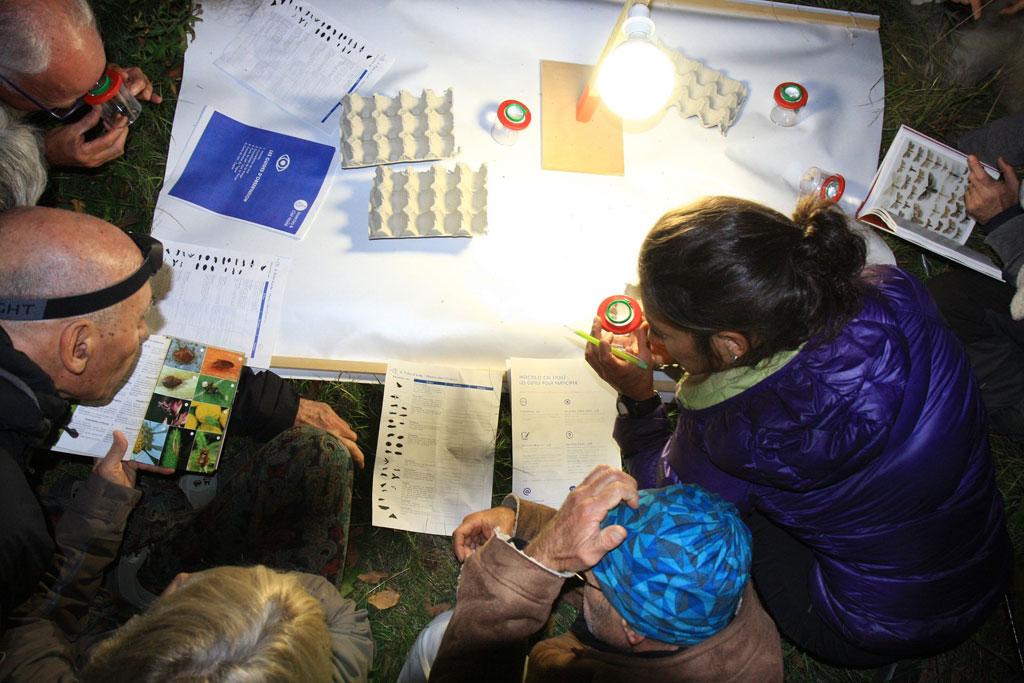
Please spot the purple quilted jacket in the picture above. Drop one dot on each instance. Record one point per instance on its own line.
(872, 450)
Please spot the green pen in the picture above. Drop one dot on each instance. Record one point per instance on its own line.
(616, 351)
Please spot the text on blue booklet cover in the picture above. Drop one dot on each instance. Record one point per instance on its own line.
(254, 174)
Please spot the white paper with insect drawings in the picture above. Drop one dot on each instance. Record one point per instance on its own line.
(288, 46)
(562, 419)
(925, 182)
(227, 298)
(435, 449)
(928, 188)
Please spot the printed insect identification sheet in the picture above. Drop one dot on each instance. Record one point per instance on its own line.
(918, 195)
(174, 408)
(562, 420)
(435, 450)
(300, 58)
(229, 298)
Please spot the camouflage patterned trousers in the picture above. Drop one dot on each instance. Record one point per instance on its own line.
(285, 504)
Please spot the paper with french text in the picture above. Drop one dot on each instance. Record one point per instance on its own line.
(562, 420)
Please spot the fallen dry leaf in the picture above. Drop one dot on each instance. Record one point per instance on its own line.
(434, 610)
(385, 599)
(78, 205)
(372, 577)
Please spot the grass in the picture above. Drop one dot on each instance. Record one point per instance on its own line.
(152, 34)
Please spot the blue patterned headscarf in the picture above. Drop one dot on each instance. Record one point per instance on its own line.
(679, 574)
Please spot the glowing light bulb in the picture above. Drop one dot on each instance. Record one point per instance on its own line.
(636, 79)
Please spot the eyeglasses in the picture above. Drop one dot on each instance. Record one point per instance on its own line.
(90, 302)
(60, 113)
(582, 578)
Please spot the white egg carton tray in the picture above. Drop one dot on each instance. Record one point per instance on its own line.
(436, 202)
(711, 96)
(379, 130)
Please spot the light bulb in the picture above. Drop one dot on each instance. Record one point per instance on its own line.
(636, 79)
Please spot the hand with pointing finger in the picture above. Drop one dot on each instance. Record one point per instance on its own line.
(116, 470)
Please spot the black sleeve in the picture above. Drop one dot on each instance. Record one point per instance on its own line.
(26, 548)
(1002, 137)
(1000, 218)
(266, 405)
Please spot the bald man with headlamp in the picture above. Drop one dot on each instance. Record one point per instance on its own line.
(74, 293)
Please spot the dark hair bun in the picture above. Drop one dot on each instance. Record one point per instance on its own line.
(827, 245)
(729, 264)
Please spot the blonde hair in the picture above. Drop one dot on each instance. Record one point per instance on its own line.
(222, 625)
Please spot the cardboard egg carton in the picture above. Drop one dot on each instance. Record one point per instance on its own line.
(433, 203)
(711, 96)
(388, 130)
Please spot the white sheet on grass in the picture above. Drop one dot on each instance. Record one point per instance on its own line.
(557, 242)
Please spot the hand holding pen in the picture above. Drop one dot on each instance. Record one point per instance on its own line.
(617, 351)
(632, 378)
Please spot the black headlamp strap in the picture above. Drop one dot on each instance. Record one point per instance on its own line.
(90, 302)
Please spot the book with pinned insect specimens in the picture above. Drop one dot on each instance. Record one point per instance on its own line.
(174, 408)
(918, 195)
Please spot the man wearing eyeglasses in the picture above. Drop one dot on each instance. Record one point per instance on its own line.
(74, 293)
(662, 576)
(51, 55)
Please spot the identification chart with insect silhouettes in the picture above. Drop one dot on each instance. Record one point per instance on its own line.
(174, 408)
(918, 194)
(231, 298)
(435, 449)
(299, 57)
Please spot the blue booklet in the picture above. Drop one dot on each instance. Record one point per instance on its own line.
(256, 175)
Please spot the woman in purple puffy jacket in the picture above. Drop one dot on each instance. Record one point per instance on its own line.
(830, 403)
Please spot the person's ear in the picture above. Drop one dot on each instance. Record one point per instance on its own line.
(729, 346)
(78, 344)
(632, 637)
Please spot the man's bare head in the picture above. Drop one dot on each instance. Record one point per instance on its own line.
(52, 50)
(50, 252)
(46, 253)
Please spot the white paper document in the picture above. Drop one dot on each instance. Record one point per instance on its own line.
(297, 56)
(231, 299)
(562, 420)
(435, 450)
(125, 413)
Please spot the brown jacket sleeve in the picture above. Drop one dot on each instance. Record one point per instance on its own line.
(530, 517)
(504, 598)
(36, 646)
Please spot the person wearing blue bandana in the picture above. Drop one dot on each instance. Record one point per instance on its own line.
(662, 578)
(680, 573)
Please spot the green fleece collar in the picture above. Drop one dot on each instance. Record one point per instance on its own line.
(723, 385)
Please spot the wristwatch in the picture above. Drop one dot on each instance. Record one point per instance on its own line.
(628, 407)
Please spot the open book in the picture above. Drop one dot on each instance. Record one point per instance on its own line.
(918, 195)
(174, 408)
